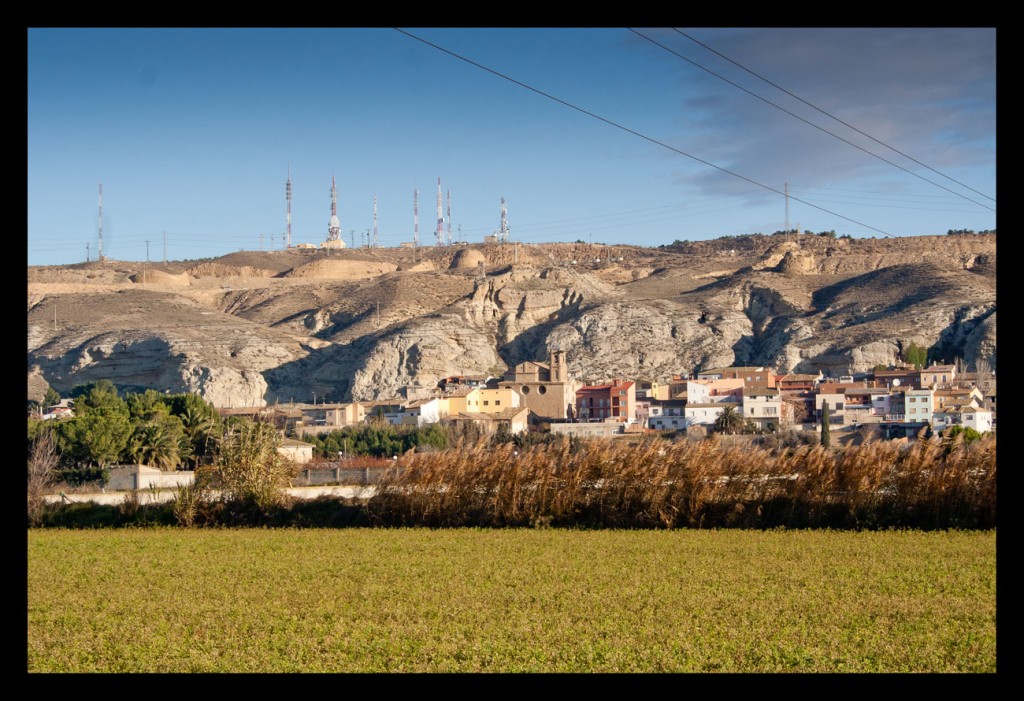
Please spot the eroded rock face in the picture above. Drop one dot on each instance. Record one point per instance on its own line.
(416, 317)
(424, 352)
(650, 341)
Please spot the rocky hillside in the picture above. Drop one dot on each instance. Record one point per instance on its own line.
(257, 327)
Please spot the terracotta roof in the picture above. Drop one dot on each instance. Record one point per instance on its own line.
(759, 391)
(503, 415)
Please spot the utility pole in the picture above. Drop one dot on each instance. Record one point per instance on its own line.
(787, 211)
(165, 247)
(147, 251)
(100, 249)
(87, 259)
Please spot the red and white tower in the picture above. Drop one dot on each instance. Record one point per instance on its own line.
(334, 226)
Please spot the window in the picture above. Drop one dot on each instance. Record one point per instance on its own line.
(486, 403)
(524, 389)
(497, 402)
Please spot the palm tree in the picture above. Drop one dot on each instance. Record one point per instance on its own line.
(200, 433)
(729, 421)
(157, 443)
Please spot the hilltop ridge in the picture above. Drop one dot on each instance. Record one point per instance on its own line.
(259, 326)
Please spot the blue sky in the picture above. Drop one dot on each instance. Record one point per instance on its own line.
(191, 132)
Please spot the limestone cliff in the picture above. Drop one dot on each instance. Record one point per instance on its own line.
(250, 328)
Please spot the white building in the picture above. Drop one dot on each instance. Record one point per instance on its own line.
(706, 414)
(421, 412)
(762, 406)
(919, 404)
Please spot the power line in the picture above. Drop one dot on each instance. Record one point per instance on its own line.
(805, 121)
(631, 131)
(827, 114)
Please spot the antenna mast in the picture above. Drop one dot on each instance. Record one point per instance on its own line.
(99, 254)
(375, 239)
(334, 226)
(415, 218)
(787, 211)
(503, 231)
(449, 217)
(439, 234)
(288, 197)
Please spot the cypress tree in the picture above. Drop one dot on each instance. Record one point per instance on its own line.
(826, 438)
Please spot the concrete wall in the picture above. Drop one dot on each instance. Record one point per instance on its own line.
(166, 495)
(120, 479)
(590, 430)
(340, 475)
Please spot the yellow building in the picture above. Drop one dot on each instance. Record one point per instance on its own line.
(485, 400)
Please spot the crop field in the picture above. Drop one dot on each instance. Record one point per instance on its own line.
(510, 600)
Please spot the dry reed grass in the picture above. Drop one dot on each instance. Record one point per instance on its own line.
(704, 484)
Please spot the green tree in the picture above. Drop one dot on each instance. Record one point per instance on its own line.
(201, 427)
(157, 441)
(51, 397)
(826, 435)
(916, 355)
(99, 432)
(958, 435)
(96, 395)
(729, 421)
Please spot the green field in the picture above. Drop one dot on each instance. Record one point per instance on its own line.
(516, 600)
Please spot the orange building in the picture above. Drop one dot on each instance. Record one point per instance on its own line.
(615, 400)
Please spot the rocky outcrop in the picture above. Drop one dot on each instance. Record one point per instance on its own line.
(365, 325)
(424, 352)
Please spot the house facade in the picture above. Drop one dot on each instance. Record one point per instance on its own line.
(615, 400)
(762, 406)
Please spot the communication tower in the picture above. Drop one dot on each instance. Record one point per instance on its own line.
(288, 199)
(503, 231)
(439, 234)
(99, 253)
(415, 218)
(334, 226)
(449, 217)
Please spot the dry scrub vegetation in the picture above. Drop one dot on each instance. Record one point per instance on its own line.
(704, 484)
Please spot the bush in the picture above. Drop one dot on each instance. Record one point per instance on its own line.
(249, 469)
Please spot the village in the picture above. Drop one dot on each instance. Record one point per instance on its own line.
(537, 396)
(899, 402)
(542, 397)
